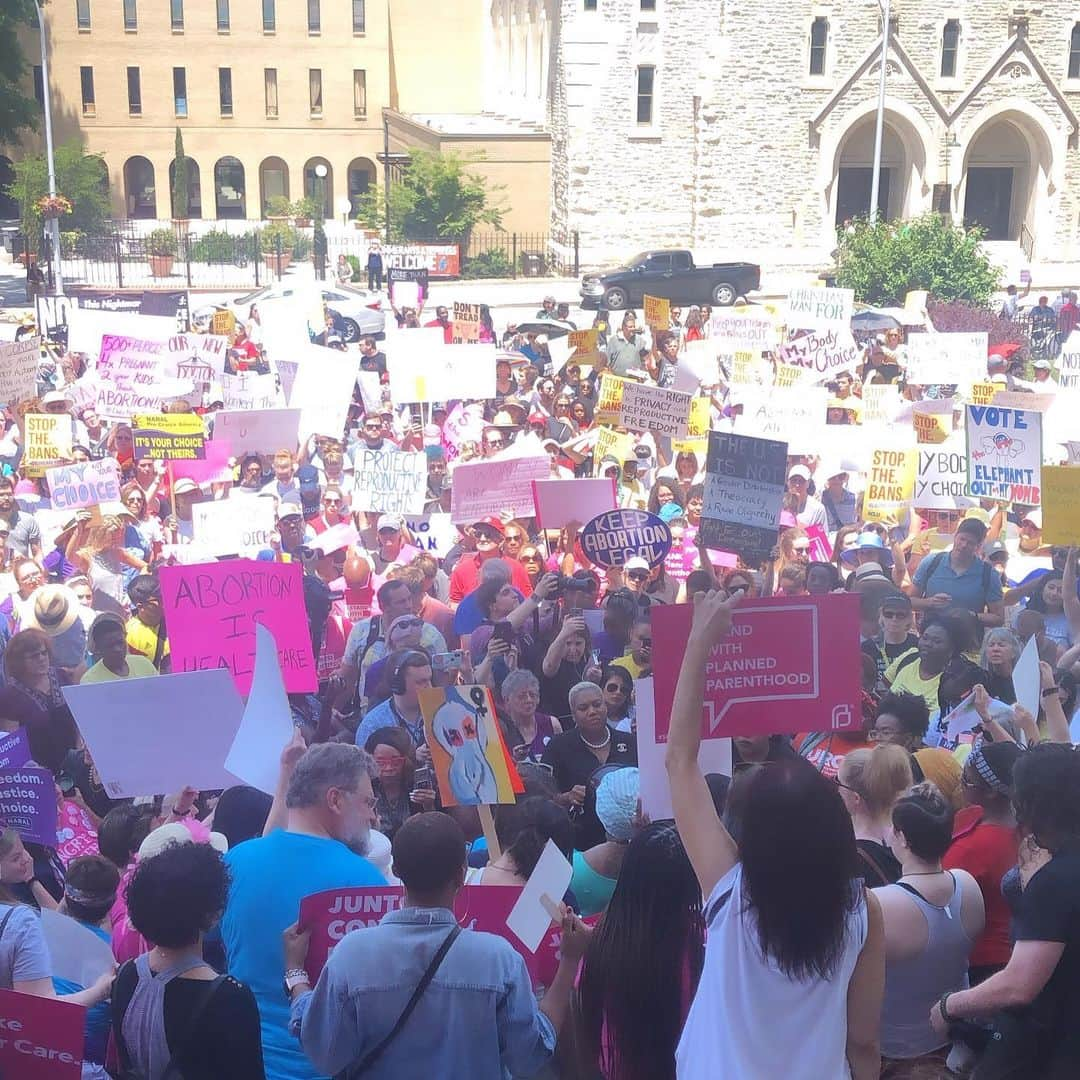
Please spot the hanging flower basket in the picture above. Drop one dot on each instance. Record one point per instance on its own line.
(53, 206)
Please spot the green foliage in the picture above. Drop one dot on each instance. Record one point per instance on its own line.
(181, 200)
(82, 177)
(492, 263)
(435, 197)
(269, 235)
(161, 242)
(18, 110)
(278, 206)
(357, 269)
(302, 246)
(219, 246)
(883, 262)
(71, 243)
(305, 209)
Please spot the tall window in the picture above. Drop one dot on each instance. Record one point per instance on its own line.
(82, 14)
(646, 81)
(176, 14)
(359, 92)
(314, 17)
(1074, 53)
(269, 16)
(179, 90)
(648, 5)
(589, 5)
(86, 80)
(358, 17)
(223, 14)
(315, 90)
(131, 15)
(819, 41)
(270, 90)
(950, 46)
(134, 91)
(224, 79)
(39, 85)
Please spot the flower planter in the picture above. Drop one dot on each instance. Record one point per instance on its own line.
(302, 223)
(180, 227)
(278, 264)
(161, 265)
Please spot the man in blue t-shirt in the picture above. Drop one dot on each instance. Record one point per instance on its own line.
(959, 578)
(331, 812)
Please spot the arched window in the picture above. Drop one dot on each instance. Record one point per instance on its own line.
(1074, 53)
(819, 41)
(950, 47)
(229, 200)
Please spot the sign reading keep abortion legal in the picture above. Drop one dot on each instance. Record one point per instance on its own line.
(785, 667)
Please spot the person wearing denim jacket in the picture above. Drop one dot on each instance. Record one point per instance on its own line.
(478, 1017)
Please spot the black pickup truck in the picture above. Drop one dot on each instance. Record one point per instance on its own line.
(669, 275)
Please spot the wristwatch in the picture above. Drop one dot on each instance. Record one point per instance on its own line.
(295, 977)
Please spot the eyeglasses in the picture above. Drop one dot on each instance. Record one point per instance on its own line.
(392, 759)
(408, 624)
(895, 614)
(331, 502)
(615, 688)
(514, 538)
(495, 442)
(801, 549)
(840, 784)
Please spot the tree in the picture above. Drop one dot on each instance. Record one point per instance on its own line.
(18, 111)
(885, 261)
(82, 177)
(435, 197)
(180, 197)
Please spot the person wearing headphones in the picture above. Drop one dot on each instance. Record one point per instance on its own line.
(410, 672)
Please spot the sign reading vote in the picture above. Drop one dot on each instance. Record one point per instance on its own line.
(85, 483)
(211, 610)
(744, 491)
(793, 650)
(42, 1038)
(1004, 449)
(612, 538)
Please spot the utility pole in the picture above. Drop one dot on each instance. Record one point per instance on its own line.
(54, 222)
(876, 180)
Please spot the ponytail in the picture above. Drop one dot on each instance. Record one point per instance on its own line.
(878, 775)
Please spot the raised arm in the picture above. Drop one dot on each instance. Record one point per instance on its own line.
(1069, 597)
(710, 847)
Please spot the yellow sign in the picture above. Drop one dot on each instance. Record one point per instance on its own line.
(1060, 498)
(788, 375)
(170, 423)
(932, 420)
(890, 482)
(697, 429)
(609, 404)
(657, 312)
(618, 445)
(223, 323)
(586, 347)
(982, 393)
(46, 442)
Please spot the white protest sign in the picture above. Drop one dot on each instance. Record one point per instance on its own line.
(652, 408)
(698, 366)
(251, 390)
(77, 953)
(284, 324)
(198, 358)
(390, 481)
(736, 329)
(267, 724)
(1004, 450)
(286, 371)
(323, 390)
(257, 431)
(336, 537)
(233, 526)
(823, 355)
(941, 476)
(946, 359)
(410, 353)
(881, 403)
(130, 373)
(82, 484)
(794, 416)
(1026, 679)
(1068, 372)
(87, 327)
(530, 917)
(18, 369)
(485, 488)
(813, 308)
(427, 369)
(160, 733)
(434, 533)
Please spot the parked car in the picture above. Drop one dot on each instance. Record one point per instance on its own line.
(669, 275)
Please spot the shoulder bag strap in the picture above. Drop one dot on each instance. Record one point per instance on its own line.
(3, 924)
(868, 858)
(197, 1013)
(377, 1052)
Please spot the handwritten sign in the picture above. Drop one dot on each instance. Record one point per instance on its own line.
(18, 369)
(485, 488)
(86, 483)
(251, 390)
(941, 477)
(811, 308)
(796, 416)
(131, 373)
(823, 355)
(233, 526)
(169, 437)
(211, 610)
(46, 440)
(657, 312)
(1061, 504)
(43, 1037)
(741, 328)
(947, 359)
(890, 482)
(652, 408)
(28, 804)
(466, 323)
(198, 359)
(258, 431)
(1004, 449)
(390, 481)
(609, 404)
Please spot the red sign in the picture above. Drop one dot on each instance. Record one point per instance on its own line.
(790, 664)
(42, 1038)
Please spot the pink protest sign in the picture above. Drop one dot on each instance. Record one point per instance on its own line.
(490, 488)
(211, 610)
(43, 1037)
(214, 468)
(820, 549)
(464, 424)
(559, 502)
(787, 666)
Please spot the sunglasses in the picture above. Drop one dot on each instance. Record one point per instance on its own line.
(486, 534)
(638, 575)
(408, 624)
(801, 549)
(615, 688)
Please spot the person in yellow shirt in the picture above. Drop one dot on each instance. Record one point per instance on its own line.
(108, 641)
(146, 627)
(922, 675)
(638, 659)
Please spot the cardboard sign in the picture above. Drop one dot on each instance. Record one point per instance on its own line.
(390, 481)
(28, 804)
(466, 323)
(982, 393)
(585, 346)
(652, 408)
(19, 369)
(786, 667)
(611, 444)
(132, 375)
(823, 355)
(258, 431)
(85, 483)
(169, 437)
(609, 403)
(941, 476)
(618, 535)
(46, 440)
(43, 1037)
(1061, 504)
(158, 734)
(211, 610)
(238, 526)
(932, 420)
(435, 534)
(223, 323)
(1004, 452)
(745, 480)
(14, 749)
(486, 488)
(251, 390)
(470, 758)
(196, 358)
(559, 502)
(811, 308)
(948, 359)
(890, 482)
(657, 312)
(323, 390)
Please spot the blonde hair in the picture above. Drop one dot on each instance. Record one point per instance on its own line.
(100, 536)
(879, 775)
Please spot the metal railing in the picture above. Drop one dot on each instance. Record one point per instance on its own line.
(1027, 241)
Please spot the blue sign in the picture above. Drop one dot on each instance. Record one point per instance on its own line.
(617, 535)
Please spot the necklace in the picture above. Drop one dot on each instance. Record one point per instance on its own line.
(599, 745)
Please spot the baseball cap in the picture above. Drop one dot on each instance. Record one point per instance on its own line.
(390, 521)
(1034, 516)
(491, 522)
(1042, 363)
(55, 397)
(287, 508)
(977, 513)
(799, 470)
(635, 563)
(896, 602)
(994, 549)
(184, 486)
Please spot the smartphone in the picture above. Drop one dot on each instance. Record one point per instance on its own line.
(504, 632)
(423, 778)
(448, 661)
(574, 613)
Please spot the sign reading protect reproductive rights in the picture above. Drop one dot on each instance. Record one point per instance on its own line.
(786, 667)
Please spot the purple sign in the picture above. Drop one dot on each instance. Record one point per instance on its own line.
(14, 749)
(28, 804)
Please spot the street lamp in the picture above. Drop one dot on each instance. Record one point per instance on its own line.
(320, 235)
(876, 180)
(54, 222)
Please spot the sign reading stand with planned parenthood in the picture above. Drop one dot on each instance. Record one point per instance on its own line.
(785, 667)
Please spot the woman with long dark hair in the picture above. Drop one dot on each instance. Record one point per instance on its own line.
(643, 963)
(784, 909)
(524, 829)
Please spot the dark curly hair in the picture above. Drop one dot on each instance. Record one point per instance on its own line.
(1046, 794)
